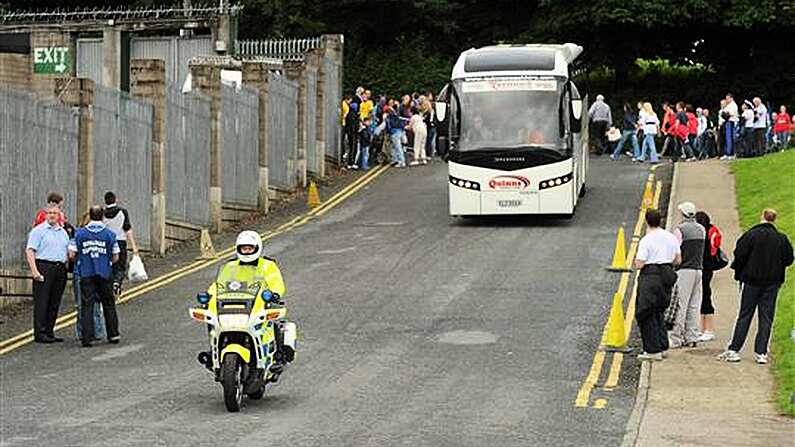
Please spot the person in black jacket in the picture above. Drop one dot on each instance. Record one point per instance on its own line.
(761, 257)
(629, 133)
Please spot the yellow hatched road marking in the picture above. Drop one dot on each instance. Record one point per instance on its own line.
(70, 318)
(614, 374)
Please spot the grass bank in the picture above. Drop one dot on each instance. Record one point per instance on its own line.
(769, 182)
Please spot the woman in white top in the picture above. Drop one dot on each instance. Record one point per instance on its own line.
(417, 125)
(651, 125)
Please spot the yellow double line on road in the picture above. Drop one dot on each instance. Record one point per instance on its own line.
(594, 373)
(70, 318)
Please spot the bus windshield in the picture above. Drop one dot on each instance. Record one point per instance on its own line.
(509, 113)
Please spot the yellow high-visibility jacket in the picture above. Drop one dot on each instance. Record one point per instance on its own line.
(265, 271)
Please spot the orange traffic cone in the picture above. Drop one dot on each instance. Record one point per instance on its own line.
(619, 263)
(614, 337)
(313, 198)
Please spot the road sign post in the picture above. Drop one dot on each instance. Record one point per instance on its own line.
(51, 60)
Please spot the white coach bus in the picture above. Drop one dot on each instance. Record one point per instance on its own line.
(512, 123)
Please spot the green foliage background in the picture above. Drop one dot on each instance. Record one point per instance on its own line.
(396, 46)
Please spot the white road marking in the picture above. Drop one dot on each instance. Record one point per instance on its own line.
(117, 352)
(336, 252)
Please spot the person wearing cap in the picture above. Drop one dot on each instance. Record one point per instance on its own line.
(600, 117)
(691, 236)
(761, 258)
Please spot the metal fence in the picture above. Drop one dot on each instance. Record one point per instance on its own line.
(187, 155)
(333, 98)
(122, 143)
(38, 153)
(240, 137)
(285, 49)
(313, 159)
(282, 132)
(175, 51)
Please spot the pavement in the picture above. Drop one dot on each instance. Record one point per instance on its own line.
(693, 399)
(415, 329)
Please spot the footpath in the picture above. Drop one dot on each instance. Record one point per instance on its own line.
(693, 399)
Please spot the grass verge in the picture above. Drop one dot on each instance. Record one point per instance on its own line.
(769, 182)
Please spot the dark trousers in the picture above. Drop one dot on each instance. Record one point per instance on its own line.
(120, 267)
(653, 333)
(47, 297)
(763, 297)
(351, 140)
(600, 133)
(97, 288)
(707, 307)
(759, 141)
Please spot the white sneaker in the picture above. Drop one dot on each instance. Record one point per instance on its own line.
(706, 336)
(730, 356)
(650, 357)
(760, 358)
(724, 157)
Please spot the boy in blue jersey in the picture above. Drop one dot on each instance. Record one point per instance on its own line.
(96, 248)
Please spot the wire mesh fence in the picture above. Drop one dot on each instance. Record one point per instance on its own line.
(122, 145)
(240, 136)
(187, 157)
(282, 132)
(38, 154)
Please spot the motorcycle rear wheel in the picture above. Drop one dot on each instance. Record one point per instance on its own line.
(232, 381)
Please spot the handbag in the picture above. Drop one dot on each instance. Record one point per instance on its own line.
(720, 260)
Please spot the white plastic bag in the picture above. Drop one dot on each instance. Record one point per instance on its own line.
(137, 271)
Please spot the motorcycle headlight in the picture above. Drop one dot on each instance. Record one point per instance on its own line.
(203, 297)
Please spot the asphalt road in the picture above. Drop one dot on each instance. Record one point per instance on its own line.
(416, 329)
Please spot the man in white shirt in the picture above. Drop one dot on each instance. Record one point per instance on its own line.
(760, 126)
(658, 252)
(731, 115)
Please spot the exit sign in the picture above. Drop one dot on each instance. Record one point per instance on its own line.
(51, 60)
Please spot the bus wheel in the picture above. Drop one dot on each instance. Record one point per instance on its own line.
(583, 190)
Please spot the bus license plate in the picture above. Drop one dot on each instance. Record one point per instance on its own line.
(509, 203)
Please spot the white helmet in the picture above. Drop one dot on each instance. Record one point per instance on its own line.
(252, 238)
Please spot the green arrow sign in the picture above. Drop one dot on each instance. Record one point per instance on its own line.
(51, 60)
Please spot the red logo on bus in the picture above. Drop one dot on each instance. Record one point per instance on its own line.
(509, 182)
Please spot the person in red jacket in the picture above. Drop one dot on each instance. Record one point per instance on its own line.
(692, 127)
(53, 199)
(782, 127)
(682, 133)
(667, 128)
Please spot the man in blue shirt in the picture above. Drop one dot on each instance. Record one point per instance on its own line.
(96, 248)
(46, 256)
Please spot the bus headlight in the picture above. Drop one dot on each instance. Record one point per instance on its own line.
(556, 181)
(466, 184)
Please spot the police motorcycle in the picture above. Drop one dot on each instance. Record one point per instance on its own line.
(251, 341)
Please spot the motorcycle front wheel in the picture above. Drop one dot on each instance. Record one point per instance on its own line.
(232, 381)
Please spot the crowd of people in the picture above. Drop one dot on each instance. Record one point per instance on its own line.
(689, 134)
(674, 302)
(96, 255)
(388, 129)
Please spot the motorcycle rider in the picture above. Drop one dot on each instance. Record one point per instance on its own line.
(252, 265)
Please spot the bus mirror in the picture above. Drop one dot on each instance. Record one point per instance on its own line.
(576, 109)
(441, 111)
(576, 115)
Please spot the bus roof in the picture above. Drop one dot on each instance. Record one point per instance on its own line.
(517, 60)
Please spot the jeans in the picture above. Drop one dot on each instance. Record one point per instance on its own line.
(364, 155)
(397, 148)
(627, 135)
(99, 323)
(430, 144)
(648, 143)
(763, 297)
(729, 146)
(783, 139)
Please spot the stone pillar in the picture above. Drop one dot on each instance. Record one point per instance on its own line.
(207, 80)
(314, 62)
(79, 93)
(111, 58)
(148, 81)
(256, 75)
(333, 46)
(296, 71)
